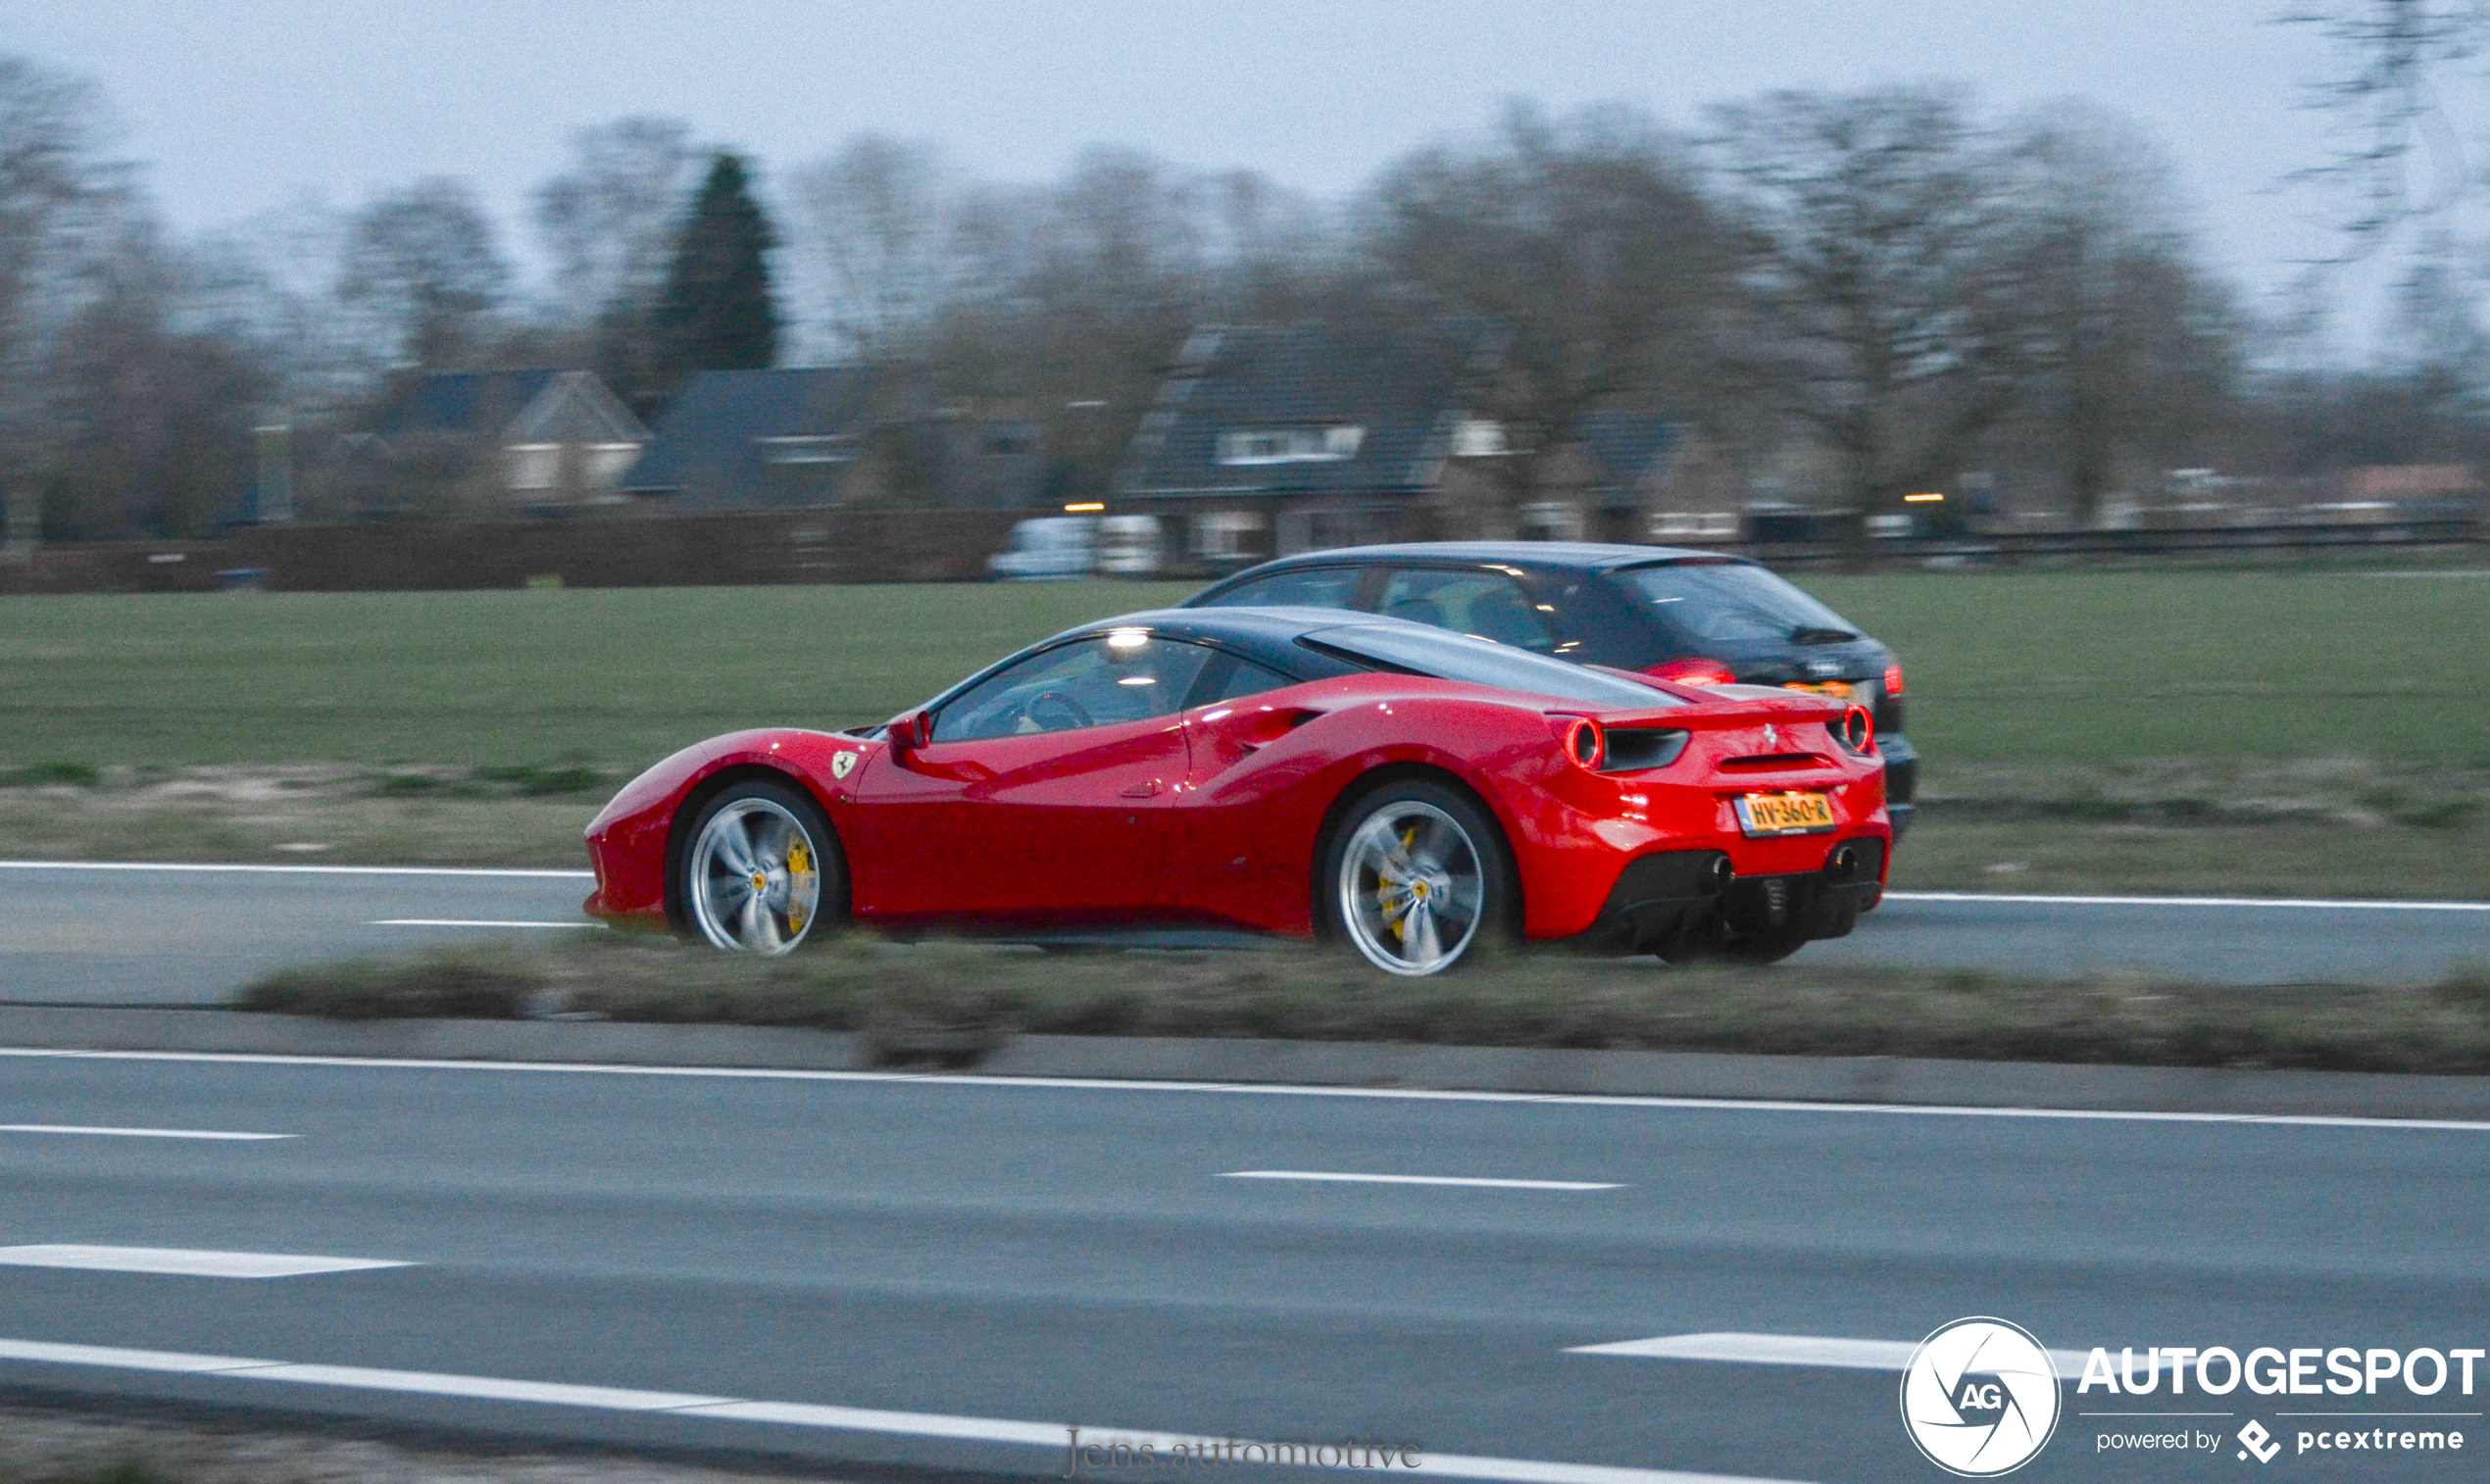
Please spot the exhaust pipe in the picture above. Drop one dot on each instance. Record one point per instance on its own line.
(1843, 864)
(1716, 879)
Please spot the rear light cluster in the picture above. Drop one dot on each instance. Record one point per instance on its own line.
(1600, 750)
(1586, 744)
(1693, 672)
(1856, 731)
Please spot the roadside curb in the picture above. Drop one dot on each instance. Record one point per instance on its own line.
(1901, 1080)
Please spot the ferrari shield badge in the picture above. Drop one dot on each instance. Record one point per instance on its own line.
(842, 763)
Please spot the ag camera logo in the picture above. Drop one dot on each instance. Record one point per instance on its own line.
(1980, 1398)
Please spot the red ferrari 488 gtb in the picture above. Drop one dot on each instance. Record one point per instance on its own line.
(1291, 771)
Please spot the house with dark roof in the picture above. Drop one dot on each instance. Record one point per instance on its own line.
(808, 436)
(1266, 441)
(536, 439)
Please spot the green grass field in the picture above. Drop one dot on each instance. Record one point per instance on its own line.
(2268, 732)
(2003, 668)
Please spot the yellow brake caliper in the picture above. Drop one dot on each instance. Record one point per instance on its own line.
(799, 864)
(1396, 918)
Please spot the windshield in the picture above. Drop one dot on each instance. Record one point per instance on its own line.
(1483, 662)
(1734, 603)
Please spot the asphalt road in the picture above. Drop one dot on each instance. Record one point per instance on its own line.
(195, 935)
(993, 1262)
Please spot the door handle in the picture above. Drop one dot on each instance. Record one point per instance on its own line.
(1149, 790)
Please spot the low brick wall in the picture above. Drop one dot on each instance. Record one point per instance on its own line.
(669, 551)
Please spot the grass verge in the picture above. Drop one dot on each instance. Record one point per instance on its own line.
(952, 1001)
(2346, 828)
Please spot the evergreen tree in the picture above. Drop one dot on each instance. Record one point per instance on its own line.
(715, 314)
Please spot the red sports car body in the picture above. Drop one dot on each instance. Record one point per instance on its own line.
(1223, 766)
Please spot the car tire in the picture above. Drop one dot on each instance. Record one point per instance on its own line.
(759, 871)
(1418, 879)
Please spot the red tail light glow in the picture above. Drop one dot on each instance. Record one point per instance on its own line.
(1585, 743)
(1693, 672)
(1893, 680)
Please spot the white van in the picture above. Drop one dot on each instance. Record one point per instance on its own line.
(1051, 548)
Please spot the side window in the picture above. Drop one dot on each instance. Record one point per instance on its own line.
(1305, 588)
(1089, 682)
(1491, 605)
(1230, 679)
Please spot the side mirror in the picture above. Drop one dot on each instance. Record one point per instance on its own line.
(908, 732)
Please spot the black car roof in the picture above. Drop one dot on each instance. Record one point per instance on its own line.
(1266, 635)
(1573, 556)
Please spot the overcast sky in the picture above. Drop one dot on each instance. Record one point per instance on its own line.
(237, 105)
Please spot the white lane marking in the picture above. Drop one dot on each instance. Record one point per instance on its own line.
(1265, 1089)
(299, 871)
(184, 1262)
(1309, 1175)
(1792, 1350)
(467, 922)
(2314, 904)
(132, 1133)
(1051, 1435)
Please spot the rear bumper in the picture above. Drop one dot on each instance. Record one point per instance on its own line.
(1901, 779)
(1669, 895)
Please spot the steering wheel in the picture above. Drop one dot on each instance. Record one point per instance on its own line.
(1074, 708)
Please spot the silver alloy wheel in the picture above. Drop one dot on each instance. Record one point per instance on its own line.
(1411, 888)
(756, 877)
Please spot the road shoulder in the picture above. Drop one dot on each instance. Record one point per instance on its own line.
(1906, 1081)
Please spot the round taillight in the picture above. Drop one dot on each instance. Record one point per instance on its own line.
(1693, 672)
(1856, 728)
(1585, 744)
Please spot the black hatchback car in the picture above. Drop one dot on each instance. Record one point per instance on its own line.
(1685, 616)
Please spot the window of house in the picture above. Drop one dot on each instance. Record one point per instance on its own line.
(1551, 520)
(534, 466)
(1290, 445)
(1479, 438)
(1227, 535)
(807, 449)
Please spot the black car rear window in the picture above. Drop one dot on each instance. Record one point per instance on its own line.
(1732, 603)
(1297, 587)
(1480, 661)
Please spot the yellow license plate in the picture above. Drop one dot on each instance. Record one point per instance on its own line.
(1862, 691)
(1784, 814)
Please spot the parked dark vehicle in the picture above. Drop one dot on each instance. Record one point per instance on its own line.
(1684, 616)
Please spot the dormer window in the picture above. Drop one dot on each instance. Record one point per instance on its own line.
(1291, 445)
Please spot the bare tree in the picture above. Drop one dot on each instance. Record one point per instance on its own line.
(2396, 155)
(153, 412)
(1889, 293)
(51, 183)
(609, 220)
(1589, 244)
(422, 264)
(2136, 350)
(875, 225)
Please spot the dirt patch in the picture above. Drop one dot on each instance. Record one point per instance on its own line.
(45, 1447)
